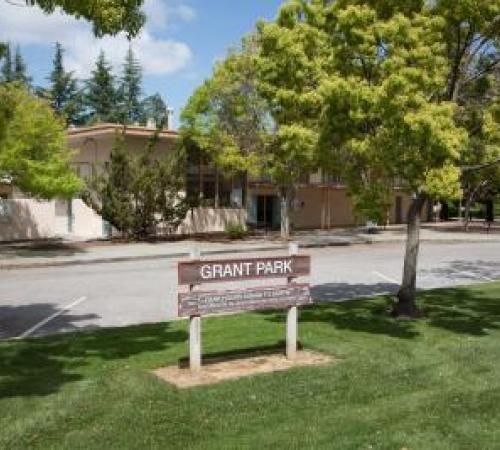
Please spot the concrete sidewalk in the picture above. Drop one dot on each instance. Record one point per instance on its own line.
(31, 255)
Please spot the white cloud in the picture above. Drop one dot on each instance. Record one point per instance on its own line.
(186, 13)
(162, 15)
(29, 26)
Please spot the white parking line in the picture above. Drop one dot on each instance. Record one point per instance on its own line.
(39, 325)
(385, 277)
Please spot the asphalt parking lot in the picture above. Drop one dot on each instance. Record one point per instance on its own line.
(41, 301)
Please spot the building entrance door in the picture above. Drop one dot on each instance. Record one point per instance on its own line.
(64, 216)
(399, 209)
(265, 211)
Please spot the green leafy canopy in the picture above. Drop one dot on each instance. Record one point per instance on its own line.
(33, 147)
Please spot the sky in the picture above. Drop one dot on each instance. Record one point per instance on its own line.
(180, 43)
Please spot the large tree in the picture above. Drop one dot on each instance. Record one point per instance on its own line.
(291, 63)
(480, 115)
(33, 149)
(383, 117)
(227, 119)
(107, 17)
(259, 109)
(100, 94)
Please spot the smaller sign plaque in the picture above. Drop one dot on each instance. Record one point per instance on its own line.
(271, 297)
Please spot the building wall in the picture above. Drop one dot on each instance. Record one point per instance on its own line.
(205, 220)
(322, 206)
(26, 218)
(95, 151)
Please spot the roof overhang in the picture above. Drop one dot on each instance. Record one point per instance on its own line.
(112, 128)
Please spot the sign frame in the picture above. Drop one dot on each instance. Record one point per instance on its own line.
(190, 272)
(301, 267)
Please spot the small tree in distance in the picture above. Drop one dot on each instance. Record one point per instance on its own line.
(100, 93)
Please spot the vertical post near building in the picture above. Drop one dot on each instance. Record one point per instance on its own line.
(194, 328)
(291, 316)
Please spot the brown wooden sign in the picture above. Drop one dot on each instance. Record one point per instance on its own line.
(270, 297)
(212, 271)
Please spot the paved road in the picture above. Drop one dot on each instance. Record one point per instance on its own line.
(42, 301)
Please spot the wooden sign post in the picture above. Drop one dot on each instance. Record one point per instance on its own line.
(194, 328)
(194, 304)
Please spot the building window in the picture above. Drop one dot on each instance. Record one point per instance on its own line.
(5, 209)
(332, 178)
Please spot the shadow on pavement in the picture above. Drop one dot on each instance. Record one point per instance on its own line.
(334, 292)
(473, 270)
(39, 250)
(15, 320)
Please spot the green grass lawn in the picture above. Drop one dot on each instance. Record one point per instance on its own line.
(431, 384)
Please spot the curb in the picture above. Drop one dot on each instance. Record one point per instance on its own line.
(85, 262)
(110, 260)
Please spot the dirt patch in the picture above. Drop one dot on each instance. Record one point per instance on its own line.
(215, 372)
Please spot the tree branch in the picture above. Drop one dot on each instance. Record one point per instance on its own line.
(485, 165)
(482, 72)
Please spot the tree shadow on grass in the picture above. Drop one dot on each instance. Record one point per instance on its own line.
(38, 367)
(338, 304)
(472, 311)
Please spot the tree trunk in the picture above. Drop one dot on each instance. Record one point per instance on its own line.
(468, 203)
(285, 212)
(406, 305)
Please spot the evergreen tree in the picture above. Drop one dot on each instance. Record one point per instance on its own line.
(130, 89)
(64, 95)
(3, 48)
(7, 73)
(110, 194)
(101, 96)
(19, 72)
(154, 107)
(137, 193)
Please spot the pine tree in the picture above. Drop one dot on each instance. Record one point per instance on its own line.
(155, 108)
(19, 72)
(130, 89)
(101, 96)
(64, 94)
(136, 193)
(7, 73)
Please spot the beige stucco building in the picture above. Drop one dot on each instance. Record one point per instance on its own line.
(318, 203)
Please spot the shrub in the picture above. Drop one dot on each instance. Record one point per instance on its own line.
(235, 230)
